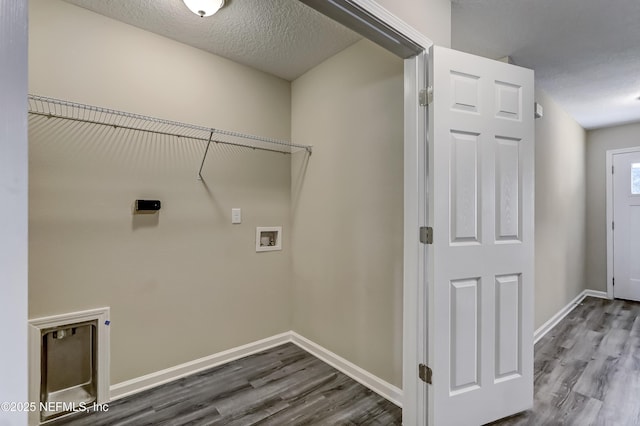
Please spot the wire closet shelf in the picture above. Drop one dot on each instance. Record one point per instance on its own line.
(57, 108)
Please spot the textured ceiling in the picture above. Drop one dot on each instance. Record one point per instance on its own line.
(281, 37)
(586, 53)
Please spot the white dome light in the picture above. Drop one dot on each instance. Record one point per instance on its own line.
(204, 8)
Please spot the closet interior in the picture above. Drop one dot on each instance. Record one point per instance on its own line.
(119, 114)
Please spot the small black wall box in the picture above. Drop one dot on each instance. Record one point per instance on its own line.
(147, 205)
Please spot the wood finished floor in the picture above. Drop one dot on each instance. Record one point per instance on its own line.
(281, 386)
(587, 369)
(587, 372)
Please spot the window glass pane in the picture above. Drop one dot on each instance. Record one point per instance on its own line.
(635, 178)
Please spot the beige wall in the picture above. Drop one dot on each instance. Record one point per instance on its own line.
(347, 208)
(560, 209)
(431, 17)
(598, 143)
(185, 283)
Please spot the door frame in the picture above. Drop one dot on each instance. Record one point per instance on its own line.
(376, 23)
(609, 214)
(14, 186)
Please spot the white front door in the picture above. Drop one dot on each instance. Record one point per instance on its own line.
(626, 225)
(480, 266)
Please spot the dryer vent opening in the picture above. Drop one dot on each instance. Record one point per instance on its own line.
(68, 363)
(68, 376)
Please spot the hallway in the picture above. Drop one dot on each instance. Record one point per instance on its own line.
(587, 369)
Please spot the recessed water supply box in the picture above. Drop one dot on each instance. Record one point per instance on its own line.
(268, 238)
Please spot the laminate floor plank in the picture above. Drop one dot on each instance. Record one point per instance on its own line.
(284, 385)
(587, 369)
(310, 406)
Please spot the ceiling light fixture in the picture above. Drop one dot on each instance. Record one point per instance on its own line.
(204, 8)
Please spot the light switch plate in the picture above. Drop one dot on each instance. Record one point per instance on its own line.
(236, 215)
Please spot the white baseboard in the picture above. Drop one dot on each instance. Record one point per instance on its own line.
(554, 320)
(376, 384)
(595, 293)
(139, 384)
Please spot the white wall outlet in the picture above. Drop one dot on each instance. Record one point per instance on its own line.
(236, 215)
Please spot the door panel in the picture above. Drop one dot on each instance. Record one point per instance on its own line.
(626, 234)
(464, 345)
(508, 190)
(508, 100)
(464, 187)
(480, 186)
(508, 325)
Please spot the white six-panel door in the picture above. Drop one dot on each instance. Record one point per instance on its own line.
(626, 217)
(480, 266)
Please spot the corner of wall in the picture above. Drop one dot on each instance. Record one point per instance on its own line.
(14, 166)
(347, 291)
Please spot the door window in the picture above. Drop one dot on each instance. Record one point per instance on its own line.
(635, 179)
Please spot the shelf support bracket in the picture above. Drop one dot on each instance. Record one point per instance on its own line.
(206, 151)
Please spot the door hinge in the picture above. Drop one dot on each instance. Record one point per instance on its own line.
(425, 97)
(426, 235)
(612, 169)
(425, 373)
(613, 226)
(613, 281)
